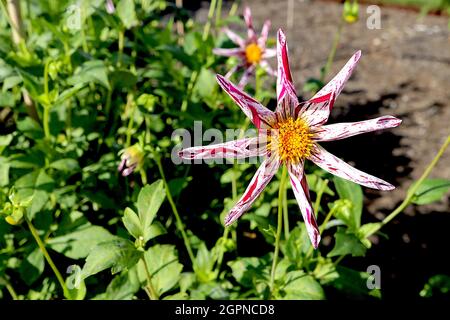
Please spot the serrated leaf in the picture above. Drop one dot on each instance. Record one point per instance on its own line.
(164, 268)
(301, 286)
(347, 243)
(430, 190)
(149, 201)
(352, 192)
(131, 221)
(79, 243)
(118, 254)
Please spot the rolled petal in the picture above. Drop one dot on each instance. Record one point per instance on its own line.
(336, 166)
(344, 130)
(301, 193)
(337, 83)
(233, 52)
(265, 65)
(249, 22)
(237, 149)
(235, 37)
(284, 78)
(258, 114)
(259, 181)
(247, 73)
(269, 53)
(317, 110)
(264, 34)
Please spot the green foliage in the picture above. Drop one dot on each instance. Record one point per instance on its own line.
(103, 83)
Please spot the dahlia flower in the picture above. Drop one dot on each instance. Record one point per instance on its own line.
(251, 52)
(291, 135)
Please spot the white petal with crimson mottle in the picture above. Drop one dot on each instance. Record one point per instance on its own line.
(336, 166)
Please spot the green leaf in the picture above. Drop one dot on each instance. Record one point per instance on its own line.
(300, 286)
(127, 13)
(79, 243)
(347, 243)
(131, 221)
(430, 190)
(163, 266)
(67, 165)
(118, 254)
(206, 84)
(439, 283)
(32, 267)
(91, 71)
(122, 287)
(352, 282)
(149, 201)
(247, 271)
(352, 192)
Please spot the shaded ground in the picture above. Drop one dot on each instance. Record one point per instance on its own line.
(405, 72)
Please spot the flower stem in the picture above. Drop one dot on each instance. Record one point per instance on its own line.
(175, 210)
(152, 294)
(412, 191)
(207, 27)
(279, 227)
(285, 214)
(44, 251)
(337, 37)
(320, 192)
(121, 41)
(46, 114)
(218, 13)
(11, 290)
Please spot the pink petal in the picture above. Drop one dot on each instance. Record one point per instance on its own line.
(284, 78)
(249, 22)
(301, 193)
(247, 73)
(264, 34)
(259, 181)
(317, 110)
(237, 149)
(235, 37)
(337, 83)
(233, 52)
(269, 53)
(336, 166)
(260, 115)
(265, 65)
(232, 70)
(344, 130)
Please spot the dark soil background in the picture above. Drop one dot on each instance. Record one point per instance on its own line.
(404, 71)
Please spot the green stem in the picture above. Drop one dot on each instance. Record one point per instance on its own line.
(121, 44)
(192, 81)
(11, 290)
(285, 214)
(175, 211)
(233, 9)
(46, 114)
(412, 191)
(44, 251)
(320, 192)
(131, 105)
(218, 13)
(337, 37)
(152, 294)
(207, 27)
(279, 227)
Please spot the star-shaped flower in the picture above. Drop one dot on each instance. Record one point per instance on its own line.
(251, 52)
(292, 134)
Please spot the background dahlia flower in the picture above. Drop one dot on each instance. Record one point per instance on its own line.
(290, 135)
(251, 52)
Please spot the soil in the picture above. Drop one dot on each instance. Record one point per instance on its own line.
(404, 71)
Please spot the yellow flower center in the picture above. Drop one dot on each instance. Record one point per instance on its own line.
(253, 53)
(293, 141)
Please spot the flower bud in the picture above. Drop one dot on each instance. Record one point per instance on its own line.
(350, 12)
(131, 159)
